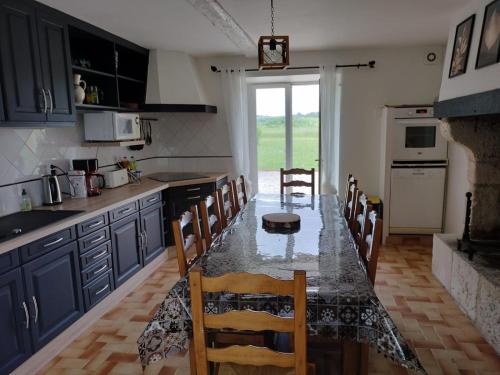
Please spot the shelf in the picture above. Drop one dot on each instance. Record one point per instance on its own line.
(130, 79)
(97, 107)
(92, 71)
(114, 144)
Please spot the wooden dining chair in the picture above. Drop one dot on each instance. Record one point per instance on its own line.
(370, 246)
(210, 218)
(296, 183)
(351, 184)
(245, 356)
(351, 206)
(239, 193)
(355, 210)
(225, 198)
(350, 180)
(187, 234)
(360, 227)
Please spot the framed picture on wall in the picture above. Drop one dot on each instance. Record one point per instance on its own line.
(461, 47)
(489, 44)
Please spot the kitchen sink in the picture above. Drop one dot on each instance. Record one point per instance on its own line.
(23, 222)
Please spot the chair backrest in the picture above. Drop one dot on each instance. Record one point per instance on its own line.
(350, 180)
(210, 218)
(239, 193)
(360, 227)
(225, 200)
(371, 244)
(350, 211)
(244, 283)
(186, 234)
(296, 183)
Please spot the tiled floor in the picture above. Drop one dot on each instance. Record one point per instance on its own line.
(444, 338)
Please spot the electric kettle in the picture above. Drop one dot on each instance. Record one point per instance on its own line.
(51, 189)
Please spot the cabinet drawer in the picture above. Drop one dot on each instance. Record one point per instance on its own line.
(123, 211)
(9, 260)
(192, 192)
(96, 291)
(47, 244)
(95, 255)
(149, 200)
(94, 239)
(92, 224)
(97, 270)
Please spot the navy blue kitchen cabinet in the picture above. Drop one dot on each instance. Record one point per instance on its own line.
(20, 62)
(127, 251)
(36, 71)
(15, 345)
(53, 291)
(152, 229)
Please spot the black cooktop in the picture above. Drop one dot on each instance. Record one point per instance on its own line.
(169, 177)
(23, 222)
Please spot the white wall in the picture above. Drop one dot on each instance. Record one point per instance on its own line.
(473, 81)
(400, 77)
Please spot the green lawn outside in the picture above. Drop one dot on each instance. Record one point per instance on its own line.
(271, 141)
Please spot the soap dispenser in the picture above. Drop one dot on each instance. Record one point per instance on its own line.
(25, 201)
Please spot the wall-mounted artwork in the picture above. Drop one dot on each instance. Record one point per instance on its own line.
(461, 47)
(489, 44)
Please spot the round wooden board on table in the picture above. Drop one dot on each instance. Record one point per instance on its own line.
(281, 222)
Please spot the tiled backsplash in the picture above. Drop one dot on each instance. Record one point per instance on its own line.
(25, 153)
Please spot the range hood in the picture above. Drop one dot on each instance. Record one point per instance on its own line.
(174, 85)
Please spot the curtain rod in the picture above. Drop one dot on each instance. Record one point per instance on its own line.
(370, 64)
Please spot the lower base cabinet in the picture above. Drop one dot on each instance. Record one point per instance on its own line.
(127, 254)
(53, 291)
(15, 345)
(152, 227)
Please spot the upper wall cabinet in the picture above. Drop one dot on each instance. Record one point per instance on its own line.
(36, 74)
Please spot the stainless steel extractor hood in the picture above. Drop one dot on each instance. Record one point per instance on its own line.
(174, 85)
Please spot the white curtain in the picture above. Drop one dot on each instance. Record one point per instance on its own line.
(330, 128)
(235, 107)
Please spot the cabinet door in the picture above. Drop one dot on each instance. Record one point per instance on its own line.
(152, 227)
(21, 71)
(54, 293)
(14, 337)
(127, 255)
(56, 65)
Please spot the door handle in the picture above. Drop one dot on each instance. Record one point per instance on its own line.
(125, 211)
(97, 239)
(152, 199)
(102, 290)
(45, 106)
(97, 223)
(35, 304)
(192, 198)
(26, 315)
(100, 255)
(194, 189)
(140, 237)
(51, 102)
(146, 239)
(100, 269)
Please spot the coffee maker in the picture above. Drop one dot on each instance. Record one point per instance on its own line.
(93, 180)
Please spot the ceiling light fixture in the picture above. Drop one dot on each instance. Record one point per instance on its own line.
(273, 49)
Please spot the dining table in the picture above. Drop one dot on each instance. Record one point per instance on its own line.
(342, 304)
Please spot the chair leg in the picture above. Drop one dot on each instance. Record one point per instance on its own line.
(364, 356)
(192, 358)
(350, 358)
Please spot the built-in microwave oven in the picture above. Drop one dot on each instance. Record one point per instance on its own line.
(418, 139)
(111, 126)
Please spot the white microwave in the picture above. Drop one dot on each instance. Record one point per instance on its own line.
(111, 126)
(418, 139)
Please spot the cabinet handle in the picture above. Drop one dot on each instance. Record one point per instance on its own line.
(100, 255)
(146, 239)
(26, 315)
(193, 198)
(102, 290)
(97, 239)
(50, 101)
(53, 242)
(101, 269)
(152, 199)
(125, 211)
(97, 223)
(45, 106)
(36, 308)
(194, 189)
(140, 237)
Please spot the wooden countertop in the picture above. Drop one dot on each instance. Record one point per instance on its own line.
(107, 201)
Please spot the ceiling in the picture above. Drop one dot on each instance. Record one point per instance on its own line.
(311, 24)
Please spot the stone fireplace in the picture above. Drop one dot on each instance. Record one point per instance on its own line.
(481, 138)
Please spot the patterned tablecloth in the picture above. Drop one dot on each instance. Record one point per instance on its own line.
(341, 303)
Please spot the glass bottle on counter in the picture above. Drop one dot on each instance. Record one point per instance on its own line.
(25, 201)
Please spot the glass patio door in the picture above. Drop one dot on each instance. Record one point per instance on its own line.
(287, 132)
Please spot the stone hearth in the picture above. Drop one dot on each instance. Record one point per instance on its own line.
(481, 137)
